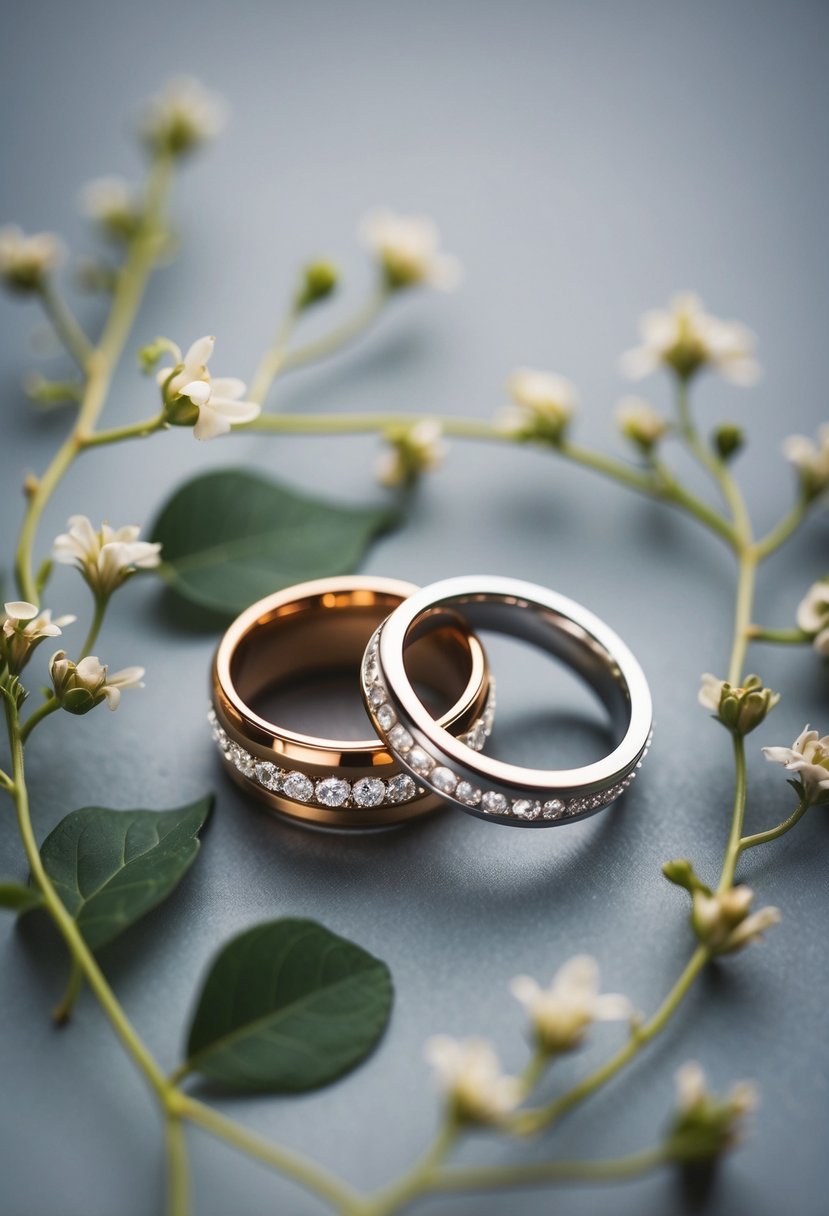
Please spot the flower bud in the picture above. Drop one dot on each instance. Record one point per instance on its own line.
(79, 687)
(181, 118)
(27, 261)
(639, 422)
(112, 206)
(705, 1126)
(682, 874)
(23, 627)
(739, 709)
(412, 451)
(543, 406)
(723, 921)
(319, 280)
(727, 440)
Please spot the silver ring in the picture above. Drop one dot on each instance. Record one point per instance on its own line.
(476, 783)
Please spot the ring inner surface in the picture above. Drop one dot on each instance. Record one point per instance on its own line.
(326, 637)
(551, 631)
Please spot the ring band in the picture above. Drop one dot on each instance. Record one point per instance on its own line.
(318, 628)
(478, 784)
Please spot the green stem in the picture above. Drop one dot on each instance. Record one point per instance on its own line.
(312, 1177)
(178, 1167)
(132, 279)
(751, 842)
(780, 637)
(659, 484)
(63, 1010)
(415, 1181)
(742, 611)
(64, 323)
(273, 359)
(49, 706)
(67, 927)
(618, 1169)
(533, 1120)
(330, 343)
(138, 430)
(732, 851)
(6, 782)
(101, 602)
(788, 524)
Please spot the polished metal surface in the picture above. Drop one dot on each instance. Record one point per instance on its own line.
(323, 626)
(479, 784)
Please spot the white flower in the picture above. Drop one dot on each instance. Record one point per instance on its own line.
(813, 615)
(686, 338)
(217, 401)
(25, 261)
(408, 250)
(543, 405)
(470, 1075)
(181, 117)
(562, 1013)
(105, 558)
(811, 459)
(808, 758)
(706, 1125)
(81, 686)
(710, 692)
(111, 203)
(412, 451)
(25, 626)
(641, 423)
(723, 920)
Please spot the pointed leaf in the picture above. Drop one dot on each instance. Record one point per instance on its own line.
(229, 538)
(110, 867)
(17, 897)
(288, 1006)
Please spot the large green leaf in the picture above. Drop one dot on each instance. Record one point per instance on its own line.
(288, 1006)
(231, 537)
(17, 897)
(110, 867)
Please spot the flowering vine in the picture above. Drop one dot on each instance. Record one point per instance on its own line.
(684, 341)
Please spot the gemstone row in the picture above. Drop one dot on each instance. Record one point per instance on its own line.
(334, 793)
(442, 779)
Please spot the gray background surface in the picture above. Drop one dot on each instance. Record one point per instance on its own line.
(584, 161)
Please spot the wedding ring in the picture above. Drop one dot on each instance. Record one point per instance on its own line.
(478, 784)
(318, 629)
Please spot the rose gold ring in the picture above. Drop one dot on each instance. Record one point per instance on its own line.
(319, 629)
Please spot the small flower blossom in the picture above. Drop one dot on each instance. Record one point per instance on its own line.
(641, 423)
(739, 709)
(686, 339)
(706, 1125)
(407, 248)
(723, 921)
(111, 203)
(813, 615)
(411, 452)
(105, 558)
(470, 1075)
(808, 759)
(562, 1013)
(181, 118)
(81, 686)
(811, 459)
(26, 261)
(194, 398)
(24, 627)
(543, 405)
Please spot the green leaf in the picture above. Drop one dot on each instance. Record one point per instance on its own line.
(17, 897)
(231, 537)
(110, 867)
(288, 1006)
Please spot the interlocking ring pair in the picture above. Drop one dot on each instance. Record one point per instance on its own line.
(429, 694)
